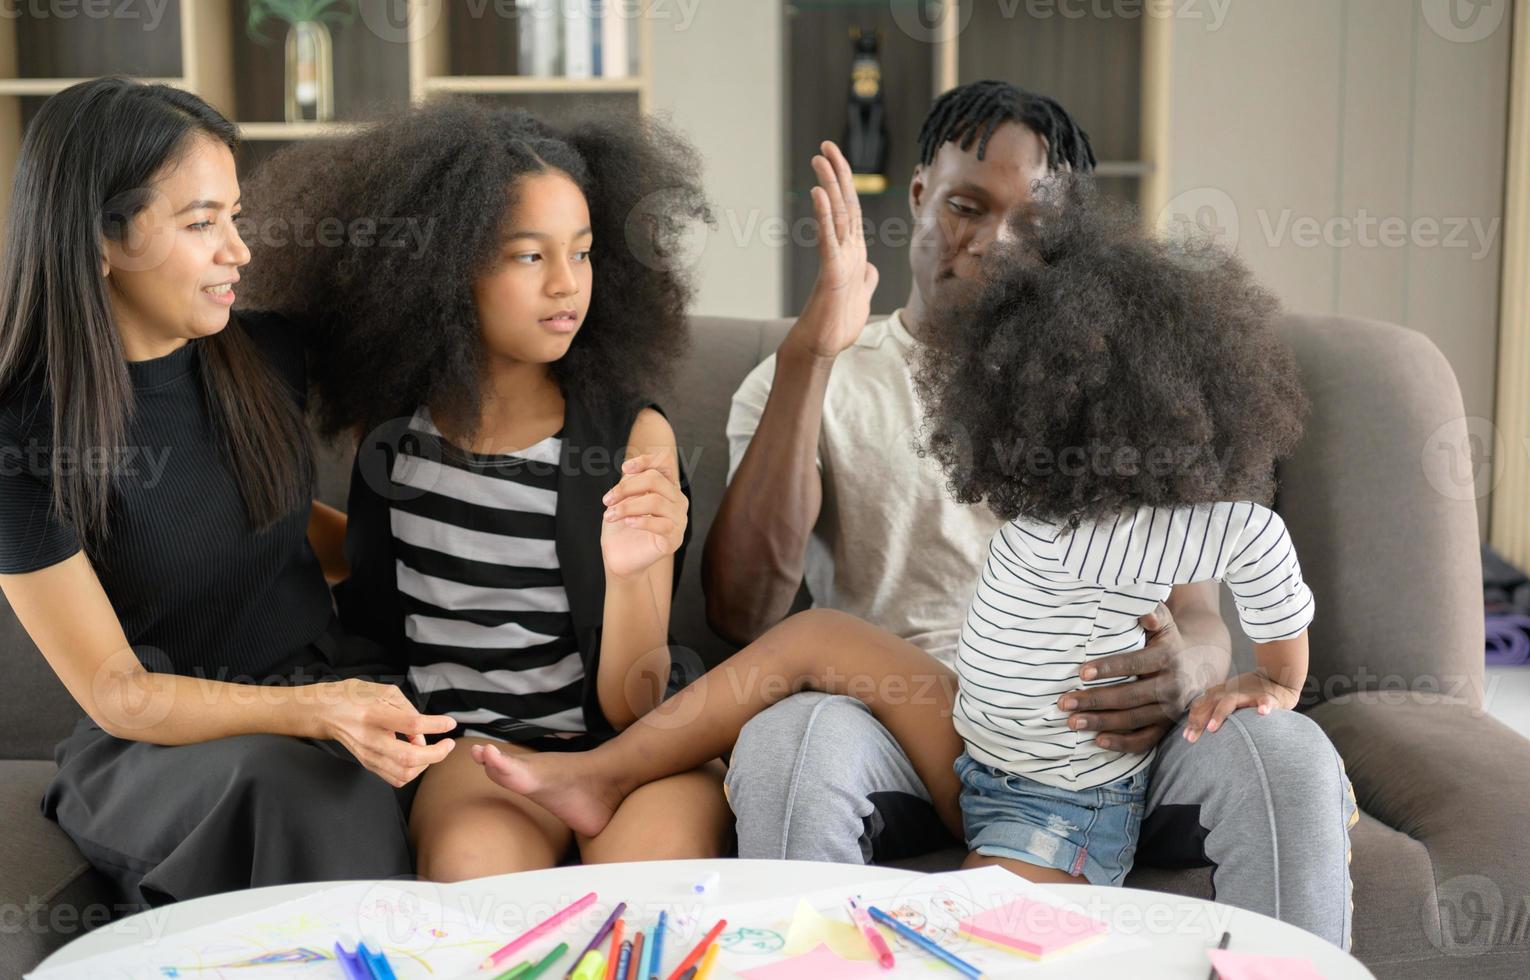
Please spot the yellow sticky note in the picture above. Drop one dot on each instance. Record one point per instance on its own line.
(809, 929)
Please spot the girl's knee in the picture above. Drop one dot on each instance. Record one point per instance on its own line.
(460, 853)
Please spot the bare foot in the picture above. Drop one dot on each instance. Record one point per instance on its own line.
(561, 783)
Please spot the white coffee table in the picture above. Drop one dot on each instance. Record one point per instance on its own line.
(1179, 929)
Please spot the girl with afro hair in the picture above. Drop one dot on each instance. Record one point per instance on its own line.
(490, 303)
(1120, 402)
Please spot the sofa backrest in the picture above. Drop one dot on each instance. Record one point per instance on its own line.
(1382, 512)
(1387, 540)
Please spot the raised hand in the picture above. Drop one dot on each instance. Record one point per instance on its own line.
(841, 300)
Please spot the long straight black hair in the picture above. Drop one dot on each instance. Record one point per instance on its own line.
(86, 169)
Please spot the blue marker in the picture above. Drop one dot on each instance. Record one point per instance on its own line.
(377, 961)
(352, 964)
(656, 950)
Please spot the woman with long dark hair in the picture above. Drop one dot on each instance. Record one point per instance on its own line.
(155, 519)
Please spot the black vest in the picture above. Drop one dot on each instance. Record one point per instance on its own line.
(594, 445)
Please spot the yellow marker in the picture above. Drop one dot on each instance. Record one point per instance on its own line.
(592, 967)
(708, 962)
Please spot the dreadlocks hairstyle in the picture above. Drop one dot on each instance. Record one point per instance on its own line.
(1096, 369)
(970, 113)
(394, 323)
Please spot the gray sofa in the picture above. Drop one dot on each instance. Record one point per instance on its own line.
(1441, 867)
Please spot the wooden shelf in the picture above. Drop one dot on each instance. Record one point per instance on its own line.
(204, 41)
(252, 131)
(52, 86)
(513, 84)
(1125, 168)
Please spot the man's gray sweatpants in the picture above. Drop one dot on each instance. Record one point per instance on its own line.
(1264, 801)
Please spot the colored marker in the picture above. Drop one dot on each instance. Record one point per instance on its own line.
(351, 964)
(600, 935)
(700, 950)
(925, 943)
(656, 949)
(536, 932)
(377, 961)
(591, 966)
(1226, 938)
(544, 964)
(635, 965)
(708, 962)
(874, 939)
(707, 885)
(623, 962)
(616, 949)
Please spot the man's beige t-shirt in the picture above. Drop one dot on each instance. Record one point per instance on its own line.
(890, 546)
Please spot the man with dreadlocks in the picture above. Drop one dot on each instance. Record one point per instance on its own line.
(827, 488)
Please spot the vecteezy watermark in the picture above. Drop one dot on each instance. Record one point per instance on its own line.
(1213, 13)
(1458, 458)
(149, 12)
(1203, 225)
(39, 917)
(409, 21)
(930, 21)
(1465, 21)
(1365, 230)
(1207, 218)
(411, 233)
(1470, 911)
(402, 463)
(141, 466)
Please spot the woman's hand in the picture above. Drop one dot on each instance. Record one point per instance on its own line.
(367, 719)
(645, 517)
(1251, 690)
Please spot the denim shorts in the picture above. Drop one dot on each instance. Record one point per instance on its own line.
(1089, 832)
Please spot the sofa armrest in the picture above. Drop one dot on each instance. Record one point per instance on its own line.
(1457, 781)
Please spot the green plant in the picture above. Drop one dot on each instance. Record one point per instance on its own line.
(295, 12)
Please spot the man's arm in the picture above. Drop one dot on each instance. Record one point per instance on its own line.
(1189, 650)
(752, 563)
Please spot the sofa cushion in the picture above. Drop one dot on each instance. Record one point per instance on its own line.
(48, 894)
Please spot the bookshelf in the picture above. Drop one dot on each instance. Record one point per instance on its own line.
(381, 62)
(1110, 73)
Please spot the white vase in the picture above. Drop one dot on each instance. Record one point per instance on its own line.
(310, 73)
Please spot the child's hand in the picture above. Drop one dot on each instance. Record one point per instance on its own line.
(1251, 690)
(645, 515)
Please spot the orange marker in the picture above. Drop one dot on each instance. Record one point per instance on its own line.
(616, 948)
(695, 955)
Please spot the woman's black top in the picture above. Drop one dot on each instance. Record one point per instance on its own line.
(198, 591)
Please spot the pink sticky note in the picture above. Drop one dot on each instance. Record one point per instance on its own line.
(1246, 966)
(820, 964)
(1033, 928)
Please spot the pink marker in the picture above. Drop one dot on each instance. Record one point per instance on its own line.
(873, 937)
(536, 932)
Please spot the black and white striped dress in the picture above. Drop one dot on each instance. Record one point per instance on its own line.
(487, 628)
